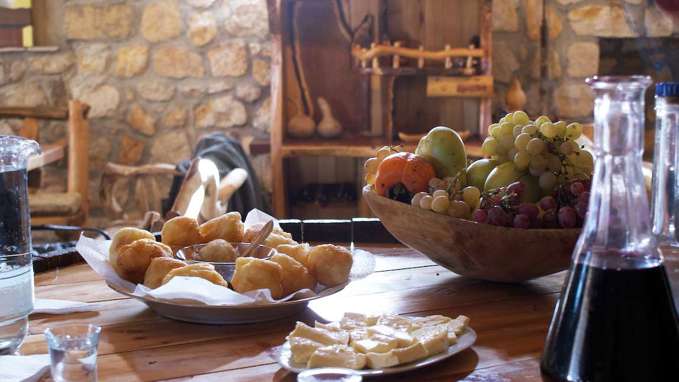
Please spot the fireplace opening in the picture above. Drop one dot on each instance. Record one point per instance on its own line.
(655, 57)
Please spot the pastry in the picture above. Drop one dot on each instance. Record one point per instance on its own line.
(330, 264)
(159, 267)
(299, 252)
(295, 275)
(228, 227)
(201, 270)
(253, 274)
(217, 251)
(123, 237)
(133, 259)
(180, 232)
(275, 238)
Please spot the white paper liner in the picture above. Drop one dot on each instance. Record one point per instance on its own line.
(95, 253)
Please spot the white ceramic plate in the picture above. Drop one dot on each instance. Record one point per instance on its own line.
(191, 311)
(284, 357)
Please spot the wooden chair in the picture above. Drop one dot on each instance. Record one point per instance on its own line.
(70, 207)
(202, 195)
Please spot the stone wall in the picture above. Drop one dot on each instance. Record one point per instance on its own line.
(157, 73)
(574, 27)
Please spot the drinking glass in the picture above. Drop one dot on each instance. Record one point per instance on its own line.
(73, 352)
(16, 269)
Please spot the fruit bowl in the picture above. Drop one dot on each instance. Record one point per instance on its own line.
(472, 249)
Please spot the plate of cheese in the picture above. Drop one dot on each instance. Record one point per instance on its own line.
(375, 345)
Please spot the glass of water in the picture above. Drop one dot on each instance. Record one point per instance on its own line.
(73, 352)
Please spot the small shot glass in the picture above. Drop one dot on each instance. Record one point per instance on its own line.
(73, 352)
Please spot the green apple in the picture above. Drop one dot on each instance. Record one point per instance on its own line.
(478, 171)
(444, 149)
(502, 175)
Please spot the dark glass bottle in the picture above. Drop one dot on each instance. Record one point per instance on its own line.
(615, 319)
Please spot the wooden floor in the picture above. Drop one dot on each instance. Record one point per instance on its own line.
(136, 344)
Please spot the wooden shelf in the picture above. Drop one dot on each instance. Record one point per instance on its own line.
(346, 146)
(410, 71)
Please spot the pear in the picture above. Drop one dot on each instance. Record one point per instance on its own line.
(444, 149)
(478, 171)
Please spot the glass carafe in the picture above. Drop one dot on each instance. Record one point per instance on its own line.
(615, 320)
(16, 269)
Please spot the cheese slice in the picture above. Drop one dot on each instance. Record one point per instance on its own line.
(302, 348)
(411, 353)
(401, 323)
(323, 336)
(381, 360)
(434, 320)
(375, 343)
(433, 338)
(337, 356)
(358, 334)
(458, 325)
(404, 339)
(332, 326)
(356, 320)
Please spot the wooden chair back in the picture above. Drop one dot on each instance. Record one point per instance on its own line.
(76, 144)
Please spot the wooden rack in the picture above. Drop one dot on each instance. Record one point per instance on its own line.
(361, 82)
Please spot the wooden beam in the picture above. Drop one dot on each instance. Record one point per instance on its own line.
(41, 112)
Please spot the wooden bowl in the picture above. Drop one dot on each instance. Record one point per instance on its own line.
(481, 251)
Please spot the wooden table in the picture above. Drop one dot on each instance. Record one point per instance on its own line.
(136, 344)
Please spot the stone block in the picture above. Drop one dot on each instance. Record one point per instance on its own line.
(177, 62)
(600, 20)
(92, 58)
(202, 28)
(573, 100)
(155, 90)
(130, 151)
(248, 92)
(161, 20)
(228, 59)
(505, 16)
(658, 23)
(51, 63)
(583, 59)
(246, 18)
(100, 21)
(170, 147)
(224, 111)
(175, 116)
(131, 60)
(261, 72)
(29, 93)
(140, 120)
(504, 62)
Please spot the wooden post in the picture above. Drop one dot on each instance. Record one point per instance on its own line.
(397, 64)
(78, 152)
(449, 61)
(277, 13)
(485, 104)
(376, 60)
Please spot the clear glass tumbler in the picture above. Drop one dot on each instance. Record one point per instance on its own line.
(16, 269)
(73, 352)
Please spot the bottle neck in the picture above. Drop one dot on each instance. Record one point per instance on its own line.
(617, 229)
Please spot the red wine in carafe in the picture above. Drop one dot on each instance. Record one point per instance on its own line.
(614, 325)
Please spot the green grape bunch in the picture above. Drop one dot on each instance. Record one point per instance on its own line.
(544, 149)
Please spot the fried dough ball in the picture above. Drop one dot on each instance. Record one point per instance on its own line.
(330, 264)
(217, 251)
(276, 238)
(295, 274)
(181, 231)
(201, 270)
(134, 258)
(299, 252)
(228, 227)
(158, 269)
(252, 274)
(123, 237)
